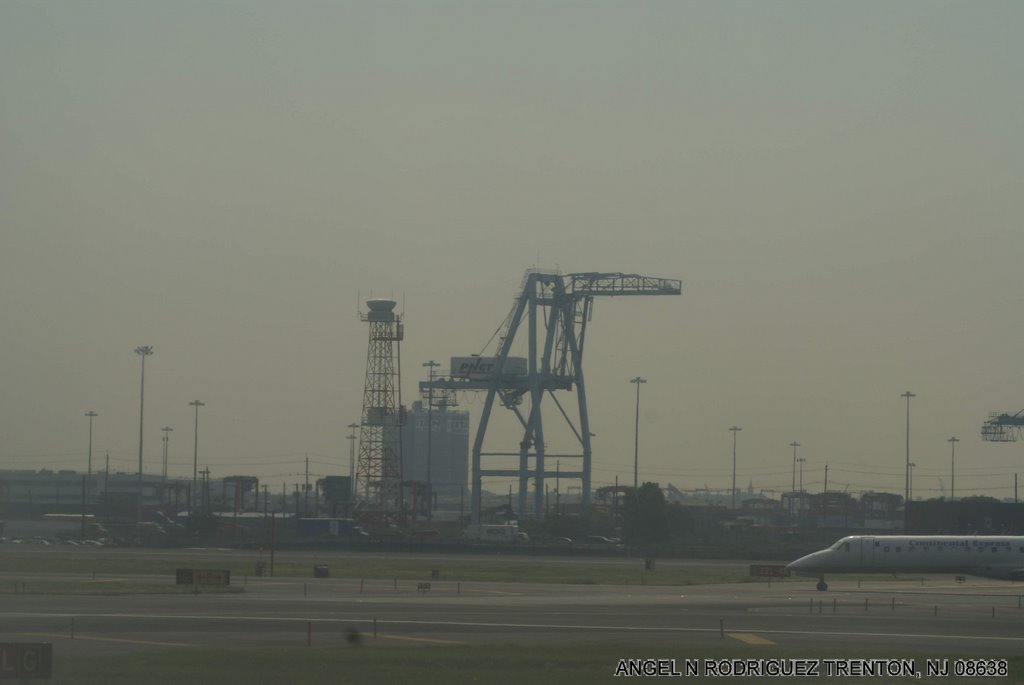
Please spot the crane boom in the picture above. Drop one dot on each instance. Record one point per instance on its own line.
(1002, 427)
(616, 284)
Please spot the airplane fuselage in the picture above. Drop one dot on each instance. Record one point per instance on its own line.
(987, 556)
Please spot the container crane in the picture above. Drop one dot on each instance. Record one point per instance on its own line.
(556, 309)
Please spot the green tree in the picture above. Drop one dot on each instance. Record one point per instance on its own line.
(645, 516)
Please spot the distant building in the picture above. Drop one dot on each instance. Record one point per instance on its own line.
(968, 516)
(115, 496)
(449, 449)
(30, 494)
(882, 510)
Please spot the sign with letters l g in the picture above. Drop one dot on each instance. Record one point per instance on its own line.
(26, 660)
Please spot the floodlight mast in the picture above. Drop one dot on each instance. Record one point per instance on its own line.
(92, 415)
(906, 497)
(195, 458)
(143, 351)
(430, 430)
(556, 309)
(167, 439)
(636, 434)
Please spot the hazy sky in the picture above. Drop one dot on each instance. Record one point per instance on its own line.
(840, 187)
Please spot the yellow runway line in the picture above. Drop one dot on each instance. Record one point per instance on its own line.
(111, 639)
(422, 639)
(751, 639)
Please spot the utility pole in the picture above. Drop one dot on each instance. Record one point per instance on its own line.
(615, 500)
(906, 496)
(911, 481)
(952, 468)
(305, 492)
(205, 501)
(792, 488)
(734, 430)
(801, 461)
(636, 434)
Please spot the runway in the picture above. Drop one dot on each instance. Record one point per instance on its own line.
(976, 618)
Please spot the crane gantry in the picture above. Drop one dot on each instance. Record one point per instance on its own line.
(556, 309)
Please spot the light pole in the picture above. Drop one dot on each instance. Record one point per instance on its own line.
(167, 439)
(143, 351)
(952, 468)
(352, 466)
(910, 471)
(195, 457)
(792, 487)
(636, 433)
(906, 497)
(801, 460)
(794, 445)
(430, 429)
(92, 415)
(734, 430)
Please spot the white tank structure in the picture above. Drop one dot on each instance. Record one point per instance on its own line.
(378, 470)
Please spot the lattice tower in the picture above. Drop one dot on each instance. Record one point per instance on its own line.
(378, 471)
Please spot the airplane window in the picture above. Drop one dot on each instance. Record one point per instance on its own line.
(899, 549)
(995, 549)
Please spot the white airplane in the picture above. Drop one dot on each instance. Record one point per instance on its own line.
(987, 556)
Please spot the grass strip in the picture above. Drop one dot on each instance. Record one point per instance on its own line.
(370, 665)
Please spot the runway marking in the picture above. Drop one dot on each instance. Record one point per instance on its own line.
(110, 639)
(421, 639)
(751, 639)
